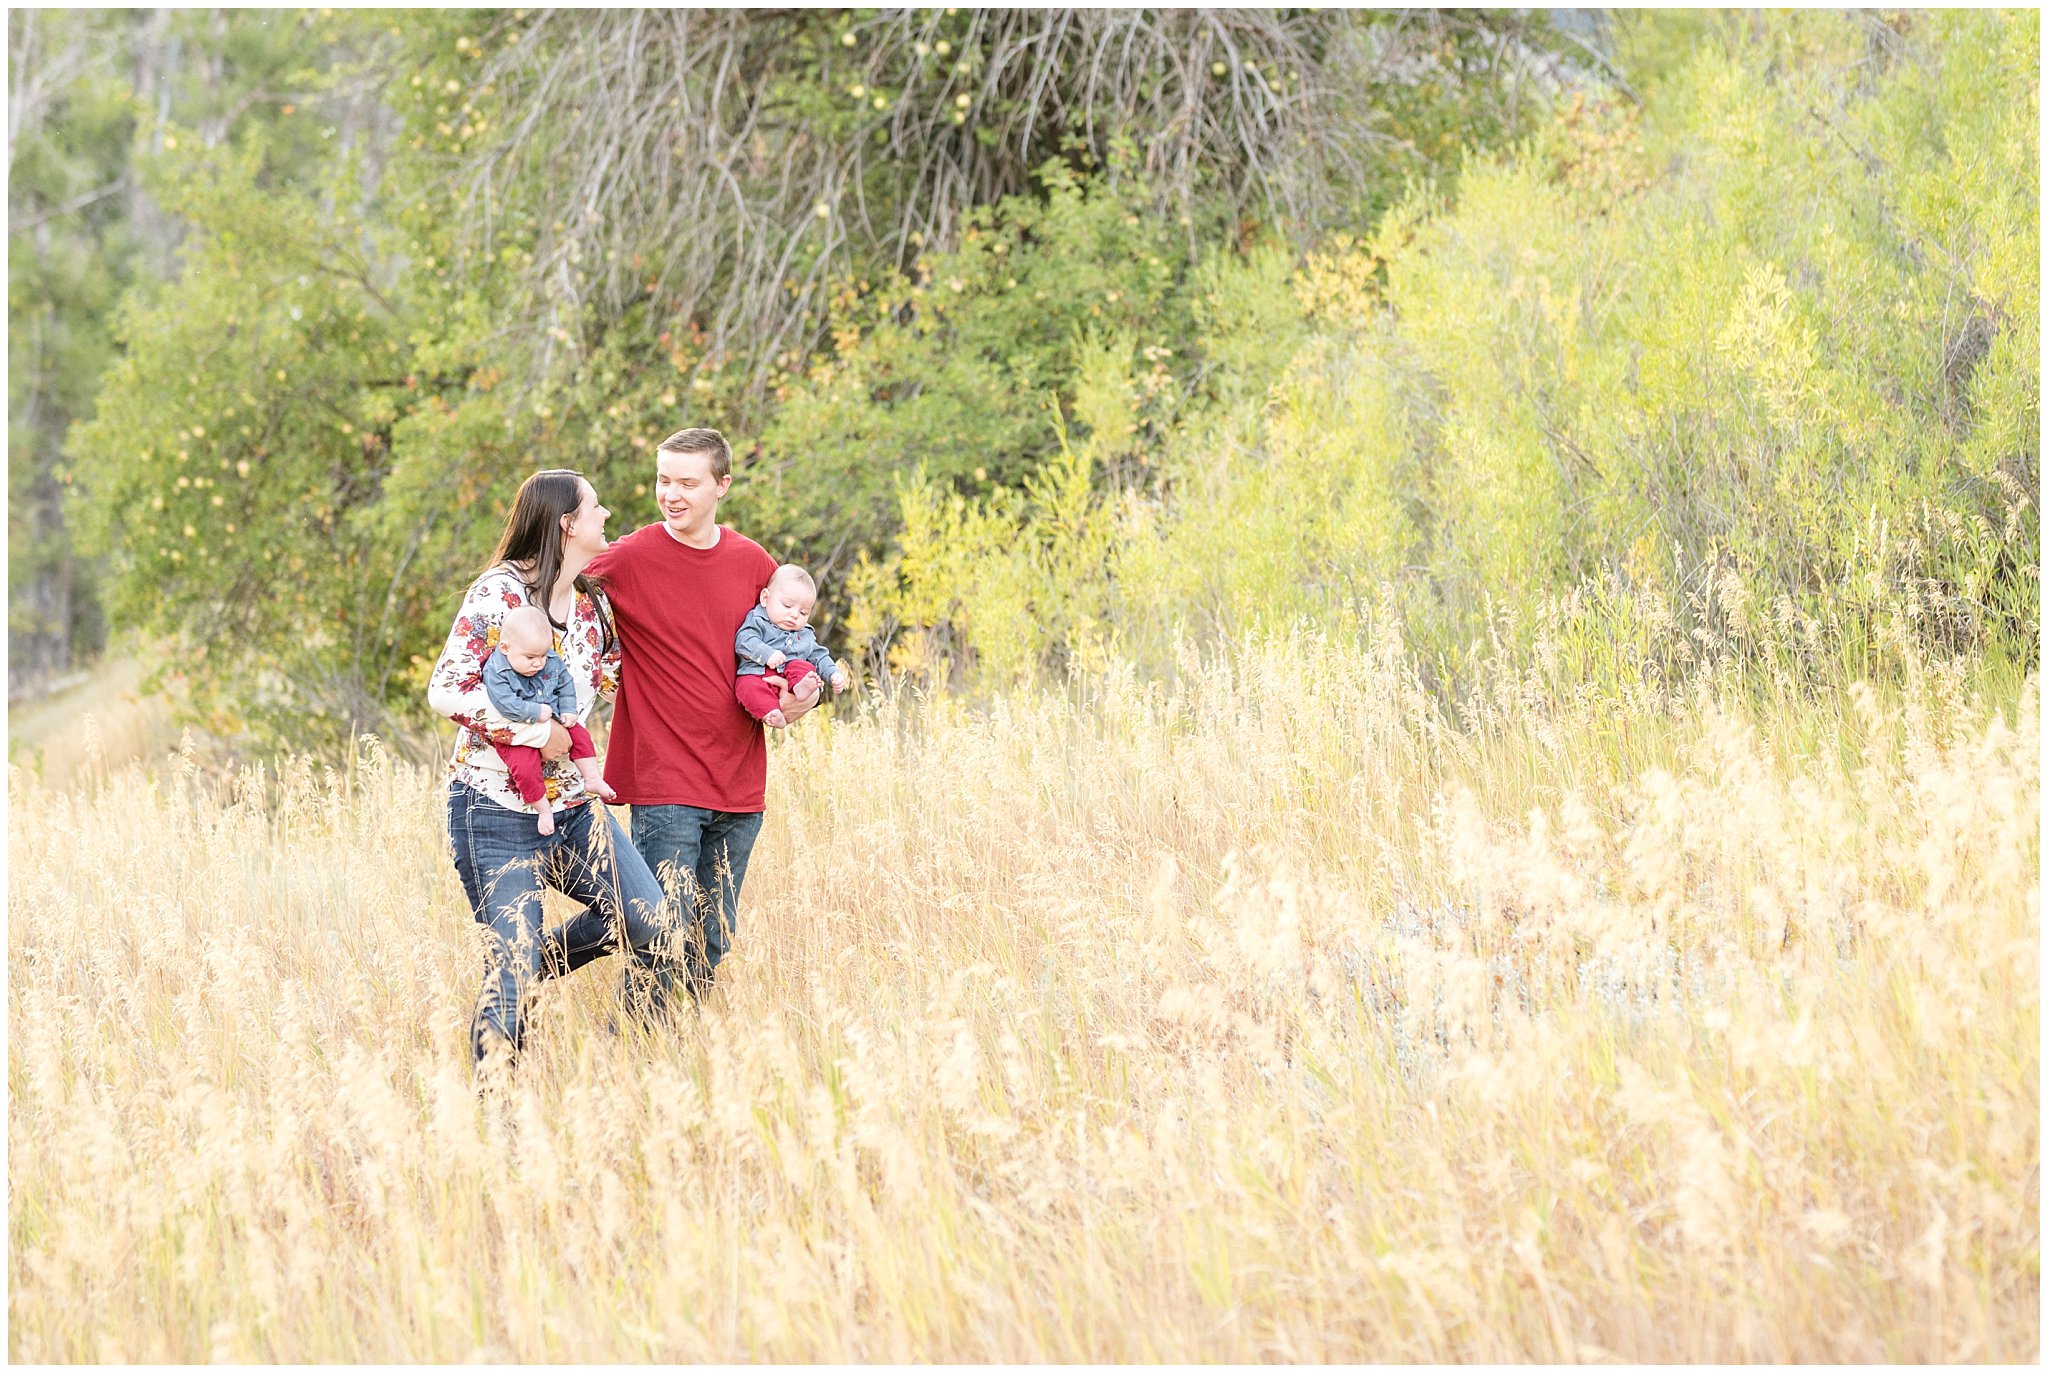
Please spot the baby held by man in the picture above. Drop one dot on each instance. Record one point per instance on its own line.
(776, 637)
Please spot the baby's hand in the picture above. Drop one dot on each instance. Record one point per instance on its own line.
(547, 712)
(839, 681)
(569, 721)
(776, 658)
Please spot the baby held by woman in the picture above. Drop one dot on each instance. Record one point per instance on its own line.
(527, 681)
(776, 637)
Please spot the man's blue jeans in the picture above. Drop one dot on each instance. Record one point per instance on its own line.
(700, 857)
(504, 860)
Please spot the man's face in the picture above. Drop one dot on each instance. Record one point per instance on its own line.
(685, 491)
(787, 603)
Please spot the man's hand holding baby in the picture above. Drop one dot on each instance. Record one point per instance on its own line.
(792, 703)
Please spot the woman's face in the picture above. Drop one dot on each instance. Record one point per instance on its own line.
(584, 531)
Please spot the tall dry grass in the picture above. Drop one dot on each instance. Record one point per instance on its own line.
(1271, 1018)
(106, 715)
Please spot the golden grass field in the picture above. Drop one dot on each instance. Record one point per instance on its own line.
(1274, 1016)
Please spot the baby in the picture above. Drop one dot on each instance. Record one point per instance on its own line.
(776, 637)
(528, 681)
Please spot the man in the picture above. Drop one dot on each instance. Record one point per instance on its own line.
(684, 754)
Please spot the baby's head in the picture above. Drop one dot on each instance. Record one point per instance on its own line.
(526, 636)
(789, 596)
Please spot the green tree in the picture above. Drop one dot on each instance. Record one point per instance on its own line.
(231, 472)
(97, 97)
(69, 247)
(509, 240)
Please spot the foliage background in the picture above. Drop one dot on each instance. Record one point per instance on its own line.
(1450, 762)
(1046, 336)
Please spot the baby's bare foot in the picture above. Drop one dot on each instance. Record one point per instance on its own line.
(775, 719)
(547, 819)
(599, 787)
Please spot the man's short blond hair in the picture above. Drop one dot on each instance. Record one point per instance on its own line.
(700, 441)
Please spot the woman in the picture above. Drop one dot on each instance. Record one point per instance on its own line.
(556, 528)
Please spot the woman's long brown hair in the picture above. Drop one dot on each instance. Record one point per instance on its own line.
(533, 537)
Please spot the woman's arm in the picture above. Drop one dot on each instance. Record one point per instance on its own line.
(456, 687)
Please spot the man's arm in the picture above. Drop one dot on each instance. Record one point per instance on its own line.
(793, 704)
(607, 566)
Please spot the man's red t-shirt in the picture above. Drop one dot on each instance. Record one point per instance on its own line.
(679, 735)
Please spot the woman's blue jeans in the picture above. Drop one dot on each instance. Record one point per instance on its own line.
(504, 861)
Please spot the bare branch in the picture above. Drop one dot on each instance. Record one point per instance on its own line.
(683, 155)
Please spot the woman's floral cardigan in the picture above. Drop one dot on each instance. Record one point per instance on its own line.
(456, 689)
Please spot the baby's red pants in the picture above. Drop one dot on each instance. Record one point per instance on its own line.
(524, 763)
(759, 698)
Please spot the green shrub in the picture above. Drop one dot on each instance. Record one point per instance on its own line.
(1774, 336)
(1077, 297)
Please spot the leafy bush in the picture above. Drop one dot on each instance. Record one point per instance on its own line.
(1778, 326)
(1076, 298)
